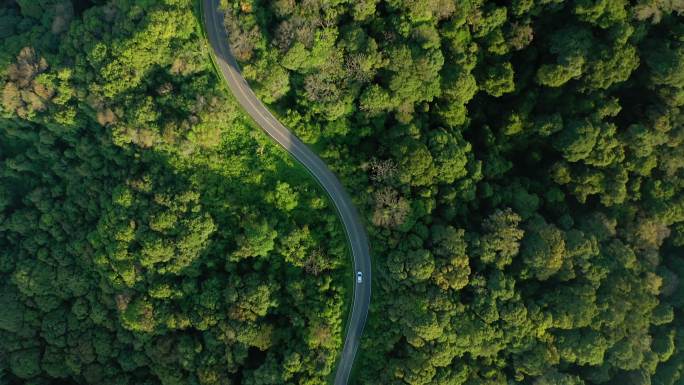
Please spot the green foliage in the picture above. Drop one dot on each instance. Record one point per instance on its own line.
(555, 146)
(25, 363)
(141, 215)
(501, 238)
(542, 250)
(521, 180)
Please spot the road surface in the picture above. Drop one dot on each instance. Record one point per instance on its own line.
(353, 226)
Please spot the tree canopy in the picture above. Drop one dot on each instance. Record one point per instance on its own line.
(149, 233)
(519, 164)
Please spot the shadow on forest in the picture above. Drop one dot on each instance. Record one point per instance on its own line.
(81, 6)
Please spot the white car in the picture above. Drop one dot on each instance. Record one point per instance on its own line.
(359, 277)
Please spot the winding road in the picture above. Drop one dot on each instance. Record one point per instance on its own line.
(353, 226)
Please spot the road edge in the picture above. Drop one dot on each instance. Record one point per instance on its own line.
(349, 311)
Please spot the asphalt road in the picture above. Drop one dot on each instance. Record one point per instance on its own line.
(353, 226)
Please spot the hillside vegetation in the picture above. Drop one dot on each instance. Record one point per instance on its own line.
(520, 166)
(149, 234)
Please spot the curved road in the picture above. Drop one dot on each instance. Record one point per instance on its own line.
(356, 233)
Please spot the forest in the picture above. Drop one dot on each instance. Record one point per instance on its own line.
(149, 233)
(519, 165)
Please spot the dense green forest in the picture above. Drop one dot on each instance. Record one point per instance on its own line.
(520, 165)
(149, 233)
